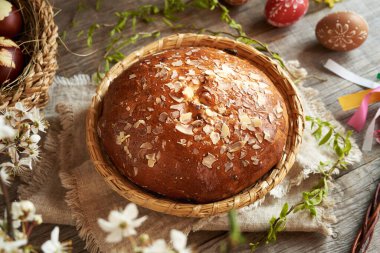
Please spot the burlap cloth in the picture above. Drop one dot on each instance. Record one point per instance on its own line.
(66, 189)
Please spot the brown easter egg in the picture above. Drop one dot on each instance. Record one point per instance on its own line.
(11, 61)
(10, 20)
(342, 31)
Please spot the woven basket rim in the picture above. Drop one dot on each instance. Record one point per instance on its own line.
(32, 89)
(133, 193)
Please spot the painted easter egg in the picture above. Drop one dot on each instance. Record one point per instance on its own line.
(342, 31)
(11, 61)
(282, 13)
(10, 20)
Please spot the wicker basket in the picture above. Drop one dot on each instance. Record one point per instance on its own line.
(139, 196)
(41, 34)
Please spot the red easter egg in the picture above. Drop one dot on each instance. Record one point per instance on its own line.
(11, 61)
(10, 20)
(282, 13)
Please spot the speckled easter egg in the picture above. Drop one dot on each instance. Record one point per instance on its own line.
(282, 13)
(10, 20)
(11, 61)
(342, 31)
(235, 2)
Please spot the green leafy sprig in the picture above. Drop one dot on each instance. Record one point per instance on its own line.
(327, 135)
(129, 19)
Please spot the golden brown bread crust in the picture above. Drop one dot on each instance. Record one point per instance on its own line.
(194, 124)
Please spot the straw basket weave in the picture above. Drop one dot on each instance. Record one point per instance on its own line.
(139, 196)
(39, 44)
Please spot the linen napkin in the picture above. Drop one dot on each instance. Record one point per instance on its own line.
(88, 197)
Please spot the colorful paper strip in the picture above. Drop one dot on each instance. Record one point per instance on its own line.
(348, 75)
(357, 121)
(352, 101)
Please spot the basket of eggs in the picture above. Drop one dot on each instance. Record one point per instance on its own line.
(194, 125)
(28, 49)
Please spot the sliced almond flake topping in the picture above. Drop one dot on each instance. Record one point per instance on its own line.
(209, 72)
(278, 108)
(236, 146)
(245, 163)
(175, 114)
(177, 63)
(208, 129)
(267, 135)
(209, 160)
(254, 76)
(158, 156)
(135, 171)
(261, 99)
(225, 131)
(191, 72)
(188, 92)
(196, 81)
(174, 74)
(185, 129)
(182, 142)
(215, 137)
(244, 120)
(256, 146)
(251, 141)
(121, 138)
(148, 129)
(228, 166)
(179, 107)
(163, 144)
(198, 138)
(259, 137)
(163, 116)
(151, 159)
(226, 69)
(230, 156)
(210, 113)
(146, 145)
(185, 118)
(263, 85)
(132, 76)
(243, 154)
(256, 122)
(271, 118)
(138, 123)
(177, 99)
(255, 160)
(158, 100)
(223, 149)
(150, 109)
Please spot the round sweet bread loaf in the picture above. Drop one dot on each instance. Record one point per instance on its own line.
(193, 124)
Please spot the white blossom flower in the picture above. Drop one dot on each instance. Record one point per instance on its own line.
(158, 246)
(10, 117)
(38, 121)
(179, 241)
(23, 211)
(17, 164)
(22, 110)
(4, 176)
(6, 131)
(11, 246)
(54, 245)
(121, 224)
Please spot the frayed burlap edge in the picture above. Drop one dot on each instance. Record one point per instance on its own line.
(69, 182)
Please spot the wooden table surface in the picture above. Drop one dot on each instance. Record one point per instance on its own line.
(295, 42)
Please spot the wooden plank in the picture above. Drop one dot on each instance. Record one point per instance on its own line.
(296, 42)
(355, 190)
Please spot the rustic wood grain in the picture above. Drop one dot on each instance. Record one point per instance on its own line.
(296, 42)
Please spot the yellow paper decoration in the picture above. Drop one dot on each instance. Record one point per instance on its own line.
(352, 101)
